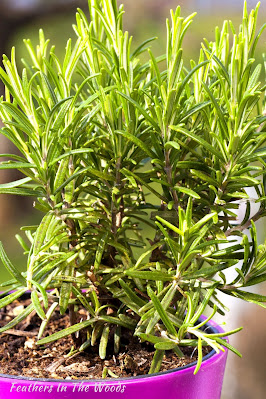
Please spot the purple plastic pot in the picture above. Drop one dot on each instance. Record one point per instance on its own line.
(180, 383)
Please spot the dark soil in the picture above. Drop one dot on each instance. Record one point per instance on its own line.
(19, 354)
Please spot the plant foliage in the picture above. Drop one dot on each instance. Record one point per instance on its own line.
(109, 143)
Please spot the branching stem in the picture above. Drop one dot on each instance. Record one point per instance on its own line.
(245, 226)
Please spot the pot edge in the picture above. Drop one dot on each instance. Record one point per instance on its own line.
(214, 327)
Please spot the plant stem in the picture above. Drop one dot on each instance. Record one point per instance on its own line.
(116, 214)
(246, 225)
(169, 170)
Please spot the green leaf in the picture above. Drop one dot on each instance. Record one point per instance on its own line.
(10, 267)
(201, 222)
(155, 66)
(170, 226)
(205, 272)
(163, 315)
(139, 143)
(255, 280)
(37, 305)
(200, 356)
(202, 306)
(145, 254)
(193, 165)
(67, 331)
(172, 144)
(16, 165)
(65, 103)
(187, 191)
(156, 361)
(14, 184)
(128, 320)
(191, 73)
(18, 319)
(194, 110)
(154, 339)
(104, 342)
(138, 178)
(71, 153)
(248, 296)
(142, 110)
(83, 300)
(142, 48)
(226, 333)
(117, 339)
(100, 251)
(96, 332)
(147, 275)
(254, 156)
(65, 290)
(131, 294)
(223, 342)
(24, 192)
(61, 175)
(41, 233)
(94, 172)
(165, 346)
(37, 245)
(165, 302)
(47, 319)
(257, 39)
(43, 293)
(218, 110)
(199, 140)
(20, 118)
(116, 321)
(11, 298)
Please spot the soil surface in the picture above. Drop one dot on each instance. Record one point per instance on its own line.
(19, 354)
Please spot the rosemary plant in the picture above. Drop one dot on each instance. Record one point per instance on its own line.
(108, 144)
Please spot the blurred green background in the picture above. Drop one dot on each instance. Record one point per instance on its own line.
(19, 19)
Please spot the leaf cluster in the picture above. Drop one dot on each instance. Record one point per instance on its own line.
(109, 144)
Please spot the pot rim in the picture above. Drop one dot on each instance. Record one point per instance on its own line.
(211, 356)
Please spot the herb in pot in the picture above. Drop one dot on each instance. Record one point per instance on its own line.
(109, 144)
